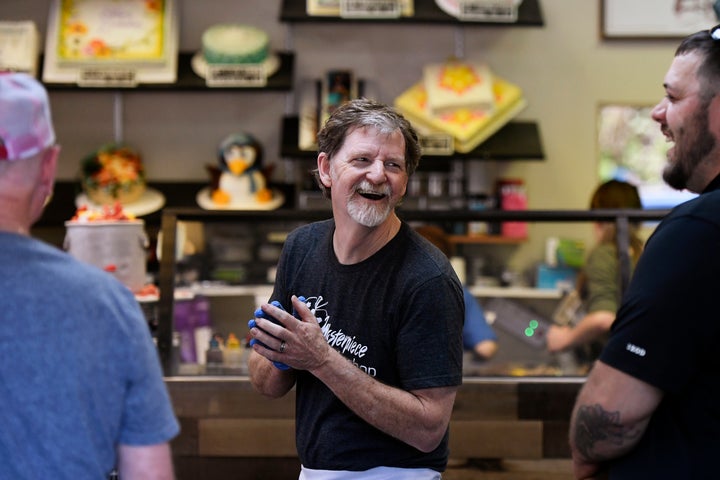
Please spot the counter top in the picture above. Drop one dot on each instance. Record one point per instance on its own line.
(500, 421)
(472, 370)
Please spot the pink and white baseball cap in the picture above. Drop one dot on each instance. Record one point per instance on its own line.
(26, 126)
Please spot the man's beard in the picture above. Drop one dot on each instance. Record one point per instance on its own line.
(677, 173)
(366, 213)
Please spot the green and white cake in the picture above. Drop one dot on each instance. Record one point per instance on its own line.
(235, 44)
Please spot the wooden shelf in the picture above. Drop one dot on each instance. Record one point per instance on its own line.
(265, 290)
(180, 202)
(177, 195)
(188, 80)
(426, 11)
(515, 141)
(486, 240)
(516, 292)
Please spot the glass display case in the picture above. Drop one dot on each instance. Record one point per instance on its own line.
(233, 273)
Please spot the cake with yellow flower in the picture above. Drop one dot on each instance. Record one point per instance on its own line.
(455, 84)
(114, 173)
(468, 124)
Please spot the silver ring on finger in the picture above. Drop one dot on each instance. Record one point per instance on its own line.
(283, 345)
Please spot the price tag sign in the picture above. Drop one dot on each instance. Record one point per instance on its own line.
(370, 9)
(229, 75)
(488, 10)
(107, 77)
(437, 144)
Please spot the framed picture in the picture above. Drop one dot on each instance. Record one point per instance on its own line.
(632, 148)
(669, 19)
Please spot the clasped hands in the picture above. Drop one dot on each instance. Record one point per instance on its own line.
(288, 340)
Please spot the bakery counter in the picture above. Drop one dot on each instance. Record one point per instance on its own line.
(501, 426)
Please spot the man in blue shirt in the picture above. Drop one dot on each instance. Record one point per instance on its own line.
(81, 387)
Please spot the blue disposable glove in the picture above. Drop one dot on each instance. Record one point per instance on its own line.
(259, 313)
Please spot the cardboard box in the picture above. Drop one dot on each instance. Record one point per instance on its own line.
(562, 278)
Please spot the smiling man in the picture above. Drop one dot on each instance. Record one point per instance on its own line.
(376, 351)
(648, 408)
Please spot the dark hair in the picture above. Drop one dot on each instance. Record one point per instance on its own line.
(615, 194)
(437, 237)
(705, 44)
(360, 113)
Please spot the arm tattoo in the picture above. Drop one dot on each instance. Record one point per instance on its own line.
(594, 425)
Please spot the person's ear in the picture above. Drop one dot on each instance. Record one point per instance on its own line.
(49, 168)
(323, 162)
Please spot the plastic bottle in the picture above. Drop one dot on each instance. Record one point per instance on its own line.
(512, 197)
(184, 322)
(202, 325)
(233, 351)
(214, 356)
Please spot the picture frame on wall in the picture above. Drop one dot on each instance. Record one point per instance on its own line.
(632, 148)
(656, 19)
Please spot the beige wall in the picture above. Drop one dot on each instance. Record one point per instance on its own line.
(565, 69)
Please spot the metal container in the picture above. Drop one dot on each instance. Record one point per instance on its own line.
(118, 247)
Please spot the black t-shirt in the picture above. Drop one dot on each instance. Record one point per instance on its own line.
(397, 316)
(667, 333)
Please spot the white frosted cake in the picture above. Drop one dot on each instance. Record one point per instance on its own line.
(235, 44)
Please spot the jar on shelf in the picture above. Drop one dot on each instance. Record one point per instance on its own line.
(512, 196)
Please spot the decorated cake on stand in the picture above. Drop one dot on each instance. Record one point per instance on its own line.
(233, 44)
(115, 174)
(112, 240)
(464, 101)
(238, 181)
(107, 43)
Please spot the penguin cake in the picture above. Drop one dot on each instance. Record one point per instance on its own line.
(238, 181)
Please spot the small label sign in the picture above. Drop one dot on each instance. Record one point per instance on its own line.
(488, 11)
(370, 9)
(229, 75)
(107, 77)
(437, 144)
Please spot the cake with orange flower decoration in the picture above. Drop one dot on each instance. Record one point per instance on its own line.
(467, 126)
(114, 173)
(455, 84)
(111, 31)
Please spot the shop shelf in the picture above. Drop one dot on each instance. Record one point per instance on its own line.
(188, 80)
(518, 140)
(426, 11)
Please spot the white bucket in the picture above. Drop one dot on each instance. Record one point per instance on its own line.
(119, 247)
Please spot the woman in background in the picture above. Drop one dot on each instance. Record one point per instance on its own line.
(599, 282)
